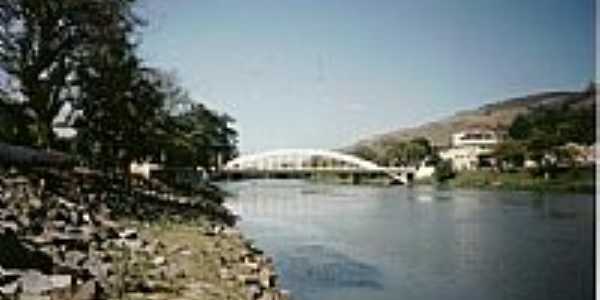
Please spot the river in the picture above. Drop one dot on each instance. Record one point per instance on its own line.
(348, 242)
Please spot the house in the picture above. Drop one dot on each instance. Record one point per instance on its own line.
(471, 149)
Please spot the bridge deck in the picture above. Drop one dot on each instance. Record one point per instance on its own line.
(320, 170)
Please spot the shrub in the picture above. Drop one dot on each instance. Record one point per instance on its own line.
(443, 171)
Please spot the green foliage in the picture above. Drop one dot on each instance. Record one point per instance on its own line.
(424, 143)
(58, 54)
(199, 137)
(365, 152)
(443, 171)
(555, 126)
(520, 128)
(44, 45)
(545, 131)
(571, 180)
(396, 152)
(510, 154)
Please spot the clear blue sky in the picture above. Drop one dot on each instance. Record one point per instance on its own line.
(323, 74)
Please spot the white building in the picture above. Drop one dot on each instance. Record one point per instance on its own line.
(471, 149)
(483, 139)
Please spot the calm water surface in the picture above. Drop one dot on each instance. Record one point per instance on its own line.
(359, 242)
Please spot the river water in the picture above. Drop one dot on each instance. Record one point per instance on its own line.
(389, 243)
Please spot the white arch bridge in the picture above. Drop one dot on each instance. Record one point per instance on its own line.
(304, 163)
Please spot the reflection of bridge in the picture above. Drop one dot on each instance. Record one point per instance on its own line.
(312, 162)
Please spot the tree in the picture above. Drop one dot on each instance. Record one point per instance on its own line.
(366, 152)
(443, 171)
(121, 111)
(406, 153)
(415, 152)
(41, 43)
(520, 128)
(201, 136)
(424, 142)
(510, 154)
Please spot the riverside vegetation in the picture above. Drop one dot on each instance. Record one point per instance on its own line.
(552, 131)
(74, 223)
(550, 137)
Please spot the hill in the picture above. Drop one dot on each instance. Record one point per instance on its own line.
(497, 116)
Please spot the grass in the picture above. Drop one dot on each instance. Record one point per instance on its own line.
(198, 256)
(575, 180)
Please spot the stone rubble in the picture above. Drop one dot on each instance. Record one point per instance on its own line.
(60, 239)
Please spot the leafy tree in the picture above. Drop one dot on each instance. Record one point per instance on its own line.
(443, 171)
(510, 153)
(414, 153)
(41, 43)
(200, 137)
(365, 152)
(520, 128)
(560, 125)
(545, 131)
(425, 143)
(405, 153)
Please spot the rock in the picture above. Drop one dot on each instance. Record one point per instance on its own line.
(175, 271)
(100, 270)
(226, 274)
(129, 233)
(253, 292)
(35, 283)
(159, 261)
(231, 232)
(83, 247)
(10, 289)
(153, 286)
(248, 279)
(65, 203)
(269, 295)
(34, 297)
(35, 203)
(59, 224)
(133, 244)
(87, 291)
(87, 218)
(9, 226)
(252, 266)
(267, 278)
(74, 218)
(62, 286)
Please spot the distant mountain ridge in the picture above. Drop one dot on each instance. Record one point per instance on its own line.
(496, 116)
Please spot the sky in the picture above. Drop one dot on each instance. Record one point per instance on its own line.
(325, 74)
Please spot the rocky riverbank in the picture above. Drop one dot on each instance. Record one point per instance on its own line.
(77, 234)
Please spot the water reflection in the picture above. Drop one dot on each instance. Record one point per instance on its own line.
(315, 268)
(349, 242)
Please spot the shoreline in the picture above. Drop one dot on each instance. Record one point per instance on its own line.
(576, 181)
(77, 236)
(217, 261)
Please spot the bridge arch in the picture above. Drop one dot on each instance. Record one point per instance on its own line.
(299, 159)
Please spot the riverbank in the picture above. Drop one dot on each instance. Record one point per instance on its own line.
(78, 234)
(211, 262)
(577, 181)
